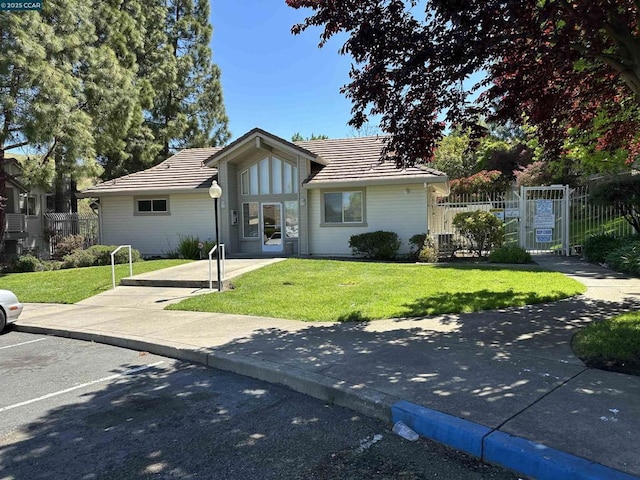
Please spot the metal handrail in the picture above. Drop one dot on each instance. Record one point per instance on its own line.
(113, 264)
(222, 259)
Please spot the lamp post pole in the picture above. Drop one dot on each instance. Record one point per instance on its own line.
(215, 192)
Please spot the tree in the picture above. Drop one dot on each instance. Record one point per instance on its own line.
(623, 194)
(297, 137)
(455, 155)
(40, 90)
(188, 110)
(554, 64)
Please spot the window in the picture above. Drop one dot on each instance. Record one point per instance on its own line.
(291, 219)
(29, 205)
(270, 176)
(343, 207)
(250, 220)
(149, 206)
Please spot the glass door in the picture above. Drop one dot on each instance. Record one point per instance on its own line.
(272, 227)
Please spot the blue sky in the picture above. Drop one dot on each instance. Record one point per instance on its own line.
(274, 80)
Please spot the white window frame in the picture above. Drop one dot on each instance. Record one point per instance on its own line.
(253, 184)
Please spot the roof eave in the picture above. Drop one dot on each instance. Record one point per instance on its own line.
(315, 184)
(140, 192)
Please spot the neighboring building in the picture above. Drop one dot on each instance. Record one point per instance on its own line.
(279, 197)
(24, 220)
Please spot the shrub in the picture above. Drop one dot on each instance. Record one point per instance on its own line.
(99, 255)
(483, 229)
(623, 194)
(102, 254)
(597, 247)
(416, 242)
(626, 259)
(68, 245)
(188, 248)
(27, 263)
(77, 259)
(510, 254)
(377, 245)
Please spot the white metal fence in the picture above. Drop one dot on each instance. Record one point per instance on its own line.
(539, 219)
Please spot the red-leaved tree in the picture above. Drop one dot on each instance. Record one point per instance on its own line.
(556, 64)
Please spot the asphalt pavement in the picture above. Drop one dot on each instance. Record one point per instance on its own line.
(501, 385)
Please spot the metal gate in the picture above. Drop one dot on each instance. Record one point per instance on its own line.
(544, 219)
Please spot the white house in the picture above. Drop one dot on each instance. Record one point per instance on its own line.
(279, 198)
(24, 214)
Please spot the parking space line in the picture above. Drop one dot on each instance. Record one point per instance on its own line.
(77, 387)
(23, 343)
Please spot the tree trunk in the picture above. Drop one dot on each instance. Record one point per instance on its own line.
(3, 200)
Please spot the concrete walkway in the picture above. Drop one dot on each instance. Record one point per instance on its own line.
(502, 385)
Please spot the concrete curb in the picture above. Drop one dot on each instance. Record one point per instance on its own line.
(515, 453)
(361, 399)
(518, 454)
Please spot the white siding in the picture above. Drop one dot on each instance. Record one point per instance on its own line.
(398, 208)
(191, 215)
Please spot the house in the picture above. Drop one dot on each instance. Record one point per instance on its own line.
(279, 198)
(24, 213)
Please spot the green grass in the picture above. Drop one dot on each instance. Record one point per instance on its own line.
(75, 284)
(324, 290)
(612, 344)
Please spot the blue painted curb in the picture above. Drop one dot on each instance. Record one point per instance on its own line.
(446, 429)
(518, 454)
(542, 462)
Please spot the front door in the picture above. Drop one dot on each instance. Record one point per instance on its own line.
(272, 227)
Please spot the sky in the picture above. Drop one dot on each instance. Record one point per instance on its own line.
(272, 79)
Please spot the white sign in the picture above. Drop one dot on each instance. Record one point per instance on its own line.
(511, 212)
(544, 221)
(544, 235)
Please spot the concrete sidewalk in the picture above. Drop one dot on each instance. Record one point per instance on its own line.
(503, 385)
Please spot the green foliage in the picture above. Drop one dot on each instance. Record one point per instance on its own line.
(379, 245)
(99, 255)
(422, 248)
(73, 285)
(188, 248)
(483, 230)
(27, 263)
(597, 247)
(67, 246)
(626, 258)
(328, 290)
(509, 254)
(455, 156)
(297, 137)
(416, 242)
(428, 253)
(611, 344)
(623, 194)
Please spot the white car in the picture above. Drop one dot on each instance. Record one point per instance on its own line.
(10, 308)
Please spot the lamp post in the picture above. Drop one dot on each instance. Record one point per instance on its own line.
(215, 192)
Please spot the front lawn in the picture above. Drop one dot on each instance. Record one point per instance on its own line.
(74, 284)
(327, 290)
(612, 344)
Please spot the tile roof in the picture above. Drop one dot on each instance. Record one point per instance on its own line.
(183, 171)
(358, 160)
(348, 160)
